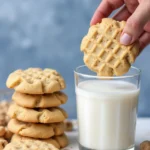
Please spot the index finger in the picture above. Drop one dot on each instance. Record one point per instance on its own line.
(105, 9)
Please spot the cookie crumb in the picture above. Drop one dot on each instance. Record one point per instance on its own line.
(68, 125)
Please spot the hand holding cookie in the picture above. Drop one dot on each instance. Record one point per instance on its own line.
(103, 52)
(135, 12)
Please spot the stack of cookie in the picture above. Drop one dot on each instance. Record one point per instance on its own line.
(35, 113)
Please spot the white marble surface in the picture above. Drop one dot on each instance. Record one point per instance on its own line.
(142, 133)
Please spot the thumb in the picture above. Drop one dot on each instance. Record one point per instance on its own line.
(135, 24)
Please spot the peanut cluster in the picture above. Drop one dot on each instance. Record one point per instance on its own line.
(145, 145)
(4, 105)
(5, 134)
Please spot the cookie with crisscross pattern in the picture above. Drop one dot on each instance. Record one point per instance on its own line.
(103, 53)
(36, 81)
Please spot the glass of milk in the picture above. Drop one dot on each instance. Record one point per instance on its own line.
(106, 109)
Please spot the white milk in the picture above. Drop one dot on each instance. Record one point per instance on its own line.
(106, 114)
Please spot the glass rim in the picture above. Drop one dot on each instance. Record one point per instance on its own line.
(108, 77)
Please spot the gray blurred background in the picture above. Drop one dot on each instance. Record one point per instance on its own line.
(47, 33)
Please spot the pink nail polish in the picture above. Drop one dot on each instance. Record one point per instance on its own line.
(125, 39)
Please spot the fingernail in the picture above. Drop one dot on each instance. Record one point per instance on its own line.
(125, 39)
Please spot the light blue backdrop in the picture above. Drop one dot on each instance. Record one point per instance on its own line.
(47, 33)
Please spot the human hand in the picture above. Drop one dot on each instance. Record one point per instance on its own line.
(135, 12)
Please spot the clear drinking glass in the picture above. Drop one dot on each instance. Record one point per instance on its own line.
(106, 109)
